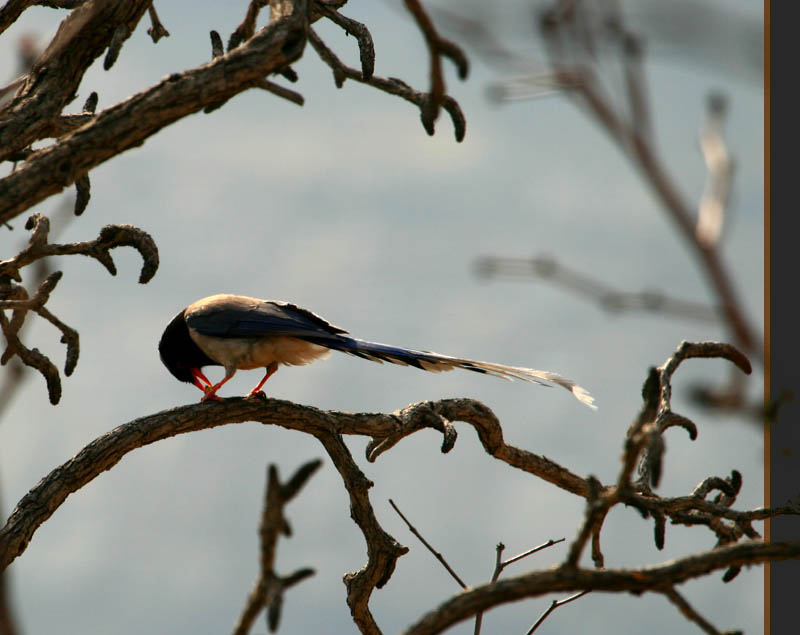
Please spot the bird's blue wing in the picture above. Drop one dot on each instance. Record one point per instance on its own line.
(234, 317)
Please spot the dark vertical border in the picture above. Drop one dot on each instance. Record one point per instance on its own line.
(767, 296)
(782, 190)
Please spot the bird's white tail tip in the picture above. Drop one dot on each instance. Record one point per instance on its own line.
(582, 395)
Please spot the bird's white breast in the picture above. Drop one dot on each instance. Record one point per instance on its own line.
(249, 353)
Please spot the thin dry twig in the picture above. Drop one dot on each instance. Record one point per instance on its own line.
(553, 606)
(501, 564)
(391, 85)
(247, 28)
(606, 296)
(437, 46)
(688, 611)
(435, 553)
(366, 46)
(156, 30)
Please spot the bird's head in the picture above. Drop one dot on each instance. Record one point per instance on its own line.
(178, 351)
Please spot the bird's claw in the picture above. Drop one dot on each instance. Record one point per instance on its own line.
(258, 394)
(209, 394)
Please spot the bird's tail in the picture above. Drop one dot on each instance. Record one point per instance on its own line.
(435, 362)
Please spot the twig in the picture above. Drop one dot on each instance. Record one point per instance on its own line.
(391, 85)
(606, 297)
(282, 91)
(156, 30)
(690, 613)
(501, 564)
(652, 578)
(110, 236)
(121, 33)
(597, 507)
(436, 554)
(366, 47)
(269, 588)
(437, 46)
(553, 606)
(248, 26)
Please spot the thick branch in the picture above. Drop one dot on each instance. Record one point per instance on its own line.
(56, 75)
(129, 123)
(562, 579)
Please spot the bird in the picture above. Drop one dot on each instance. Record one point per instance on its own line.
(238, 332)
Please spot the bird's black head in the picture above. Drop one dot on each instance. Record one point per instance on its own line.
(178, 351)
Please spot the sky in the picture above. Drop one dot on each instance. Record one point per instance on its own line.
(348, 208)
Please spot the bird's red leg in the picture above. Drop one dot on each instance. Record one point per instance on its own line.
(211, 391)
(271, 369)
(199, 379)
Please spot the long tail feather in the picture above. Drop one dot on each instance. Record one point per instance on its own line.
(436, 362)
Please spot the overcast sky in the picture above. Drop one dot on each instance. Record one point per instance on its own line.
(346, 207)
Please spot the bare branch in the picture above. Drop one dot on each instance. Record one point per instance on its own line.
(269, 588)
(553, 606)
(502, 564)
(282, 91)
(156, 30)
(32, 357)
(597, 506)
(121, 33)
(392, 85)
(690, 613)
(216, 45)
(435, 553)
(566, 40)
(82, 189)
(437, 47)
(366, 47)
(648, 438)
(110, 236)
(130, 123)
(606, 297)
(248, 27)
(538, 583)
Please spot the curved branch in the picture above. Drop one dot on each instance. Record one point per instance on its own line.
(110, 236)
(328, 426)
(562, 579)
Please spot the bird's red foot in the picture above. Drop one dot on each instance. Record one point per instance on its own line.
(210, 395)
(258, 394)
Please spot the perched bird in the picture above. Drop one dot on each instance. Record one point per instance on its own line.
(238, 332)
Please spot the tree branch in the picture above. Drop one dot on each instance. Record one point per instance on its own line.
(131, 122)
(564, 579)
(268, 590)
